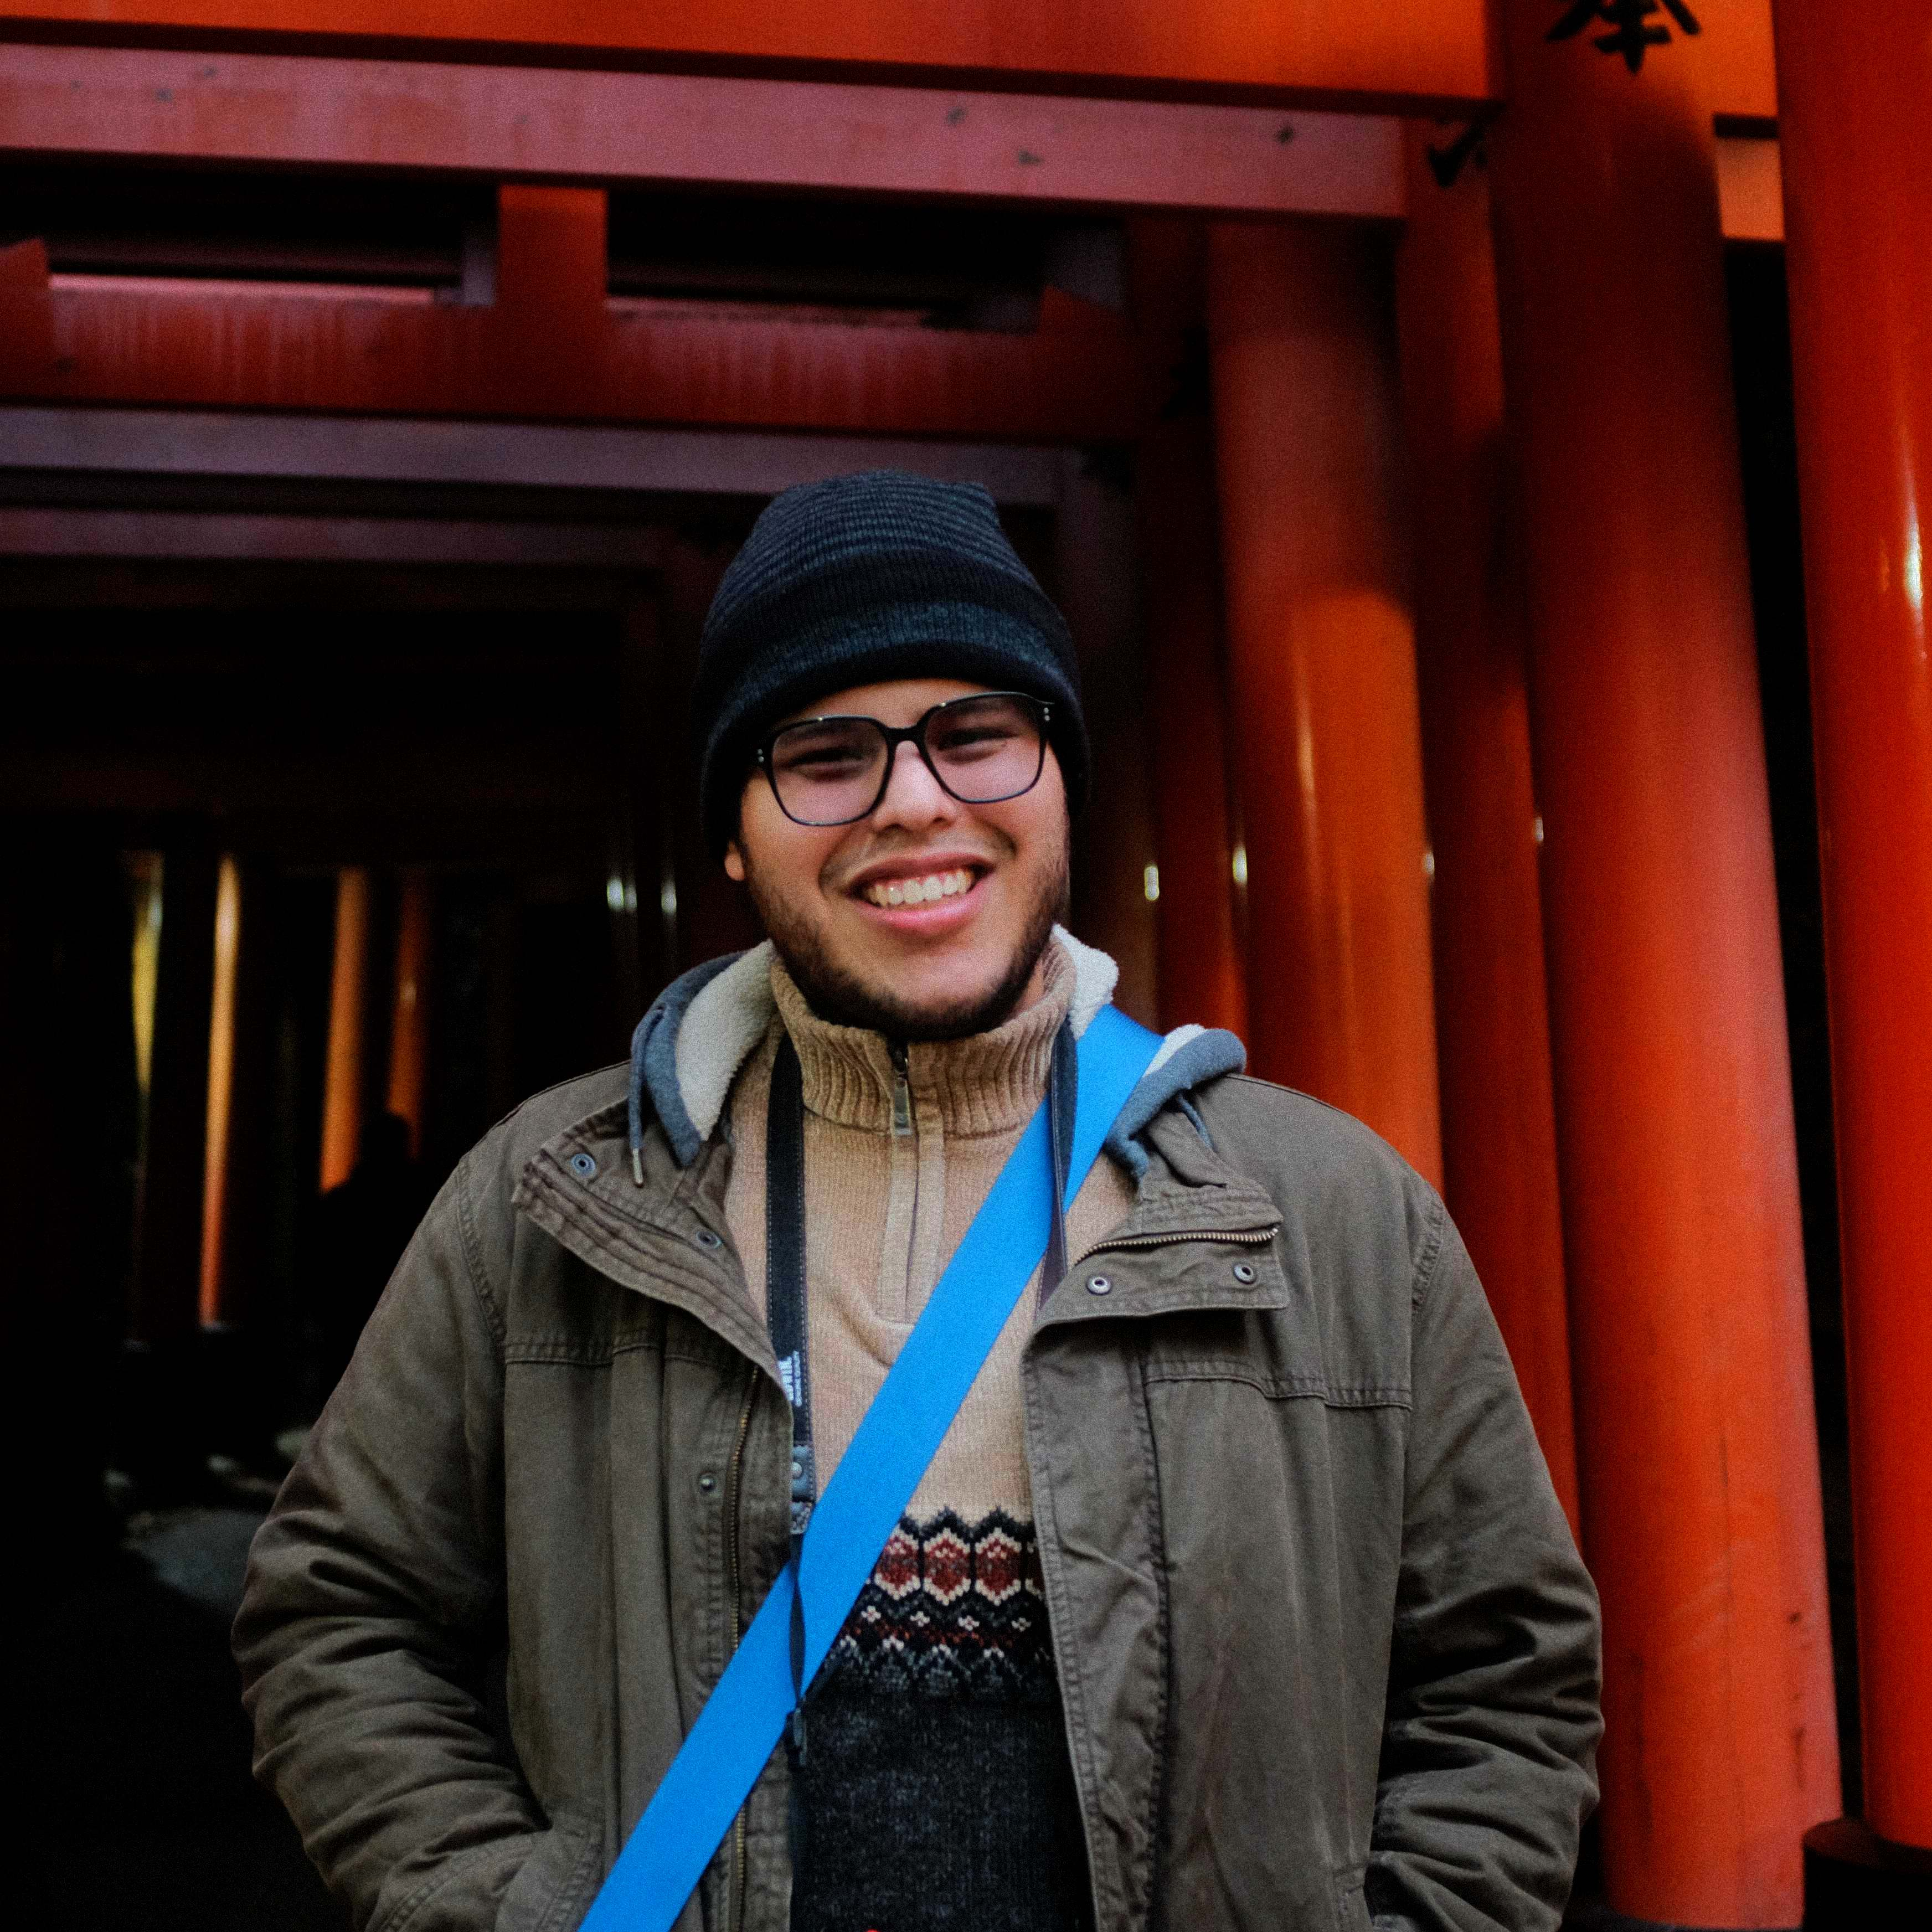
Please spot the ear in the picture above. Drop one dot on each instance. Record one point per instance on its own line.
(734, 863)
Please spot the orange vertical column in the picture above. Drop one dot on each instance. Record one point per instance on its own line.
(236, 1196)
(1201, 974)
(1322, 672)
(221, 1087)
(1855, 116)
(1696, 1445)
(409, 1023)
(342, 1078)
(167, 1249)
(1492, 1008)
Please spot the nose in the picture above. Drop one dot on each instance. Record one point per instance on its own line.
(913, 796)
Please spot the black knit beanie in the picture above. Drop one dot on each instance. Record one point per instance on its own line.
(862, 579)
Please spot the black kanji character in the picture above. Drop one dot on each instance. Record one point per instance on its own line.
(1632, 32)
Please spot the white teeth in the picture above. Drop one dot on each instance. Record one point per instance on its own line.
(921, 892)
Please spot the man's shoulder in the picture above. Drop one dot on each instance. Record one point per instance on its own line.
(1271, 1121)
(596, 1101)
(1337, 1181)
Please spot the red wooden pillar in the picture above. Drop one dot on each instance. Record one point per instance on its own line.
(220, 1089)
(342, 1079)
(408, 1022)
(1492, 1008)
(1322, 672)
(1696, 1450)
(1854, 114)
(1114, 840)
(167, 1242)
(1201, 972)
(237, 1215)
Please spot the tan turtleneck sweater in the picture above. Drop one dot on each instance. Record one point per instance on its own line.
(938, 1762)
(886, 1203)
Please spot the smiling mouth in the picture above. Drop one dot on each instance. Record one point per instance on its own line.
(924, 891)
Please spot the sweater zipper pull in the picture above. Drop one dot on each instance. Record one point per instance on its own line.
(902, 1089)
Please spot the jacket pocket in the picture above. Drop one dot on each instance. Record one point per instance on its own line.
(553, 1888)
(1351, 1904)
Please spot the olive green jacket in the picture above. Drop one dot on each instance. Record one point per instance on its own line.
(1327, 1654)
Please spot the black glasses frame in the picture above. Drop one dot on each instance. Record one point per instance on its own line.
(912, 734)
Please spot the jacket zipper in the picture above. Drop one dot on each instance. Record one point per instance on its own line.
(1253, 1237)
(740, 1853)
(902, 1089)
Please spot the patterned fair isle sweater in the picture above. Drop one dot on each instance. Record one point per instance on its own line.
(938, 1791)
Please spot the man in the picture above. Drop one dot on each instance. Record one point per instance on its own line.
(1236, 1594)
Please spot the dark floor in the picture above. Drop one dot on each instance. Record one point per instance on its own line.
(141, 1813)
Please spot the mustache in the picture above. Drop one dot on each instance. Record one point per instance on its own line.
(839, 874)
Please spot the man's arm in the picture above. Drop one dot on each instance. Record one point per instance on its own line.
(374, 1592)
(1489, 1743)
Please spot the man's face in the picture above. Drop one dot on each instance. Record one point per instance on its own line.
(953, 964)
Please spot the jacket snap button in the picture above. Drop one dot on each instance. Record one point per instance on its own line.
(706, 1239)
(1099, 1284)
(583, 1166)
(1244, 1274)
(707, 1482)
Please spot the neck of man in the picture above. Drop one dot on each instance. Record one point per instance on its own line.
(975, 1083)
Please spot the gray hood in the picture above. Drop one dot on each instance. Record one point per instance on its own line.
(688, 1049)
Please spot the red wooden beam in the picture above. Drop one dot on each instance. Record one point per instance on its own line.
(508, 123)
(229, 442)
(552, 347)
(1425, 52)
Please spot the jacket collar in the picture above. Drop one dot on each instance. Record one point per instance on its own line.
(687, 1050)
(647, 1209)
(660, 1229)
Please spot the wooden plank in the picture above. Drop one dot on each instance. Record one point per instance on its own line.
(535, 455)
(556, 125)
(1422, 52)
(1070, 383)
(41, 531)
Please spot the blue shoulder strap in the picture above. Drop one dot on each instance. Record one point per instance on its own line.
(744, 1717)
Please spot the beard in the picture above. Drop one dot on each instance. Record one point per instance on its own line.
(836, 994)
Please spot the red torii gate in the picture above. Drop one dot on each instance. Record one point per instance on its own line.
(1653, 893)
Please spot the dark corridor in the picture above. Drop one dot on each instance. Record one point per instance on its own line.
(493, 756)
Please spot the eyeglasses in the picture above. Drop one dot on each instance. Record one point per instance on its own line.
(834, 771)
